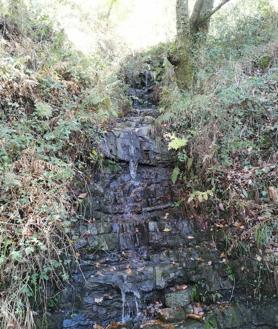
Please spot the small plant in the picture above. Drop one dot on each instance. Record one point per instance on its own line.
(43, 110)
(175, 175)
(196, 293)
(199, 197)
(176, 143)
(211, 323)
(263, 234)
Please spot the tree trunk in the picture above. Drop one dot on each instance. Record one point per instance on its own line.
(183, 67)
(191, 33)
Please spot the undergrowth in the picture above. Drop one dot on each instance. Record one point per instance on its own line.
(53, 107)
(229, 125)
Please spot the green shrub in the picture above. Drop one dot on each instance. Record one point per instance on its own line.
(53, 103)
(229, 120)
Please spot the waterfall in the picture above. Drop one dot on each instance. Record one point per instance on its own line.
(130, 308)
(133, 168)
(134, 156)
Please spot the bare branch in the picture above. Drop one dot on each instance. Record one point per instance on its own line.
(208, 16)
(111, 5)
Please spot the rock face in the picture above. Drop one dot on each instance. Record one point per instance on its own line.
(137, 251)
(135, 139)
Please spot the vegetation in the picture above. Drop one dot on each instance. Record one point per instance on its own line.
(191, 33)
(228, 122)
(54, 101)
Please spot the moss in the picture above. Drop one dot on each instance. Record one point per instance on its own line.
(264, 62)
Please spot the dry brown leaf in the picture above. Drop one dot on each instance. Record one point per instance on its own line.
(96, 326)
(193, 316)
(82, 195)
(273, 193)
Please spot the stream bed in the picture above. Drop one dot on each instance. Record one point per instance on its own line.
(141, 261)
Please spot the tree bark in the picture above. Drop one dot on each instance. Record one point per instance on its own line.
(191, 32)
(199, 23)
(184, 68)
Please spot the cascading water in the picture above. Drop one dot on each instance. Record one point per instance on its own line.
(134, 245)
(133, 165)
(133, 155)
(122, 215)
(130, 302)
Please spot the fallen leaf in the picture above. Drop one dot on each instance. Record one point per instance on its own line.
(96, 326)
(221, 207)
(129, 271)
(273, 193)
(259, 258)
(82, 196)
(179, 287)
(193, 316)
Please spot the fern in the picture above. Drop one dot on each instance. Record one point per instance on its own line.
(176, 143)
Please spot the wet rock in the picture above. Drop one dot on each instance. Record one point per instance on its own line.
(265, 314)
(81, 243)
(104, 242)
(178, 298)
(231, 318)
(165, 274)
(190, 325)
(77, 320)
(244, 315)
(155, 324)
(139, 144)
(172, 314)
(134, 244)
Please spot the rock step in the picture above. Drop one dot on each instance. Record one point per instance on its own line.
(139, 144)
(138, 200)
(152, 112)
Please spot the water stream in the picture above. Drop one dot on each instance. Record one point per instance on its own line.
(133, 156)
(131, 301)
(133, 243)
(133, 165)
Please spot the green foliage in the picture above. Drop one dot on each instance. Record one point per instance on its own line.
(43, 110)
(229, 120)
(53, 101)
(264, 234)
(210, 323)
(199, 196)
(195, 293)
(176, 143)
(175, 175)
(230, 273)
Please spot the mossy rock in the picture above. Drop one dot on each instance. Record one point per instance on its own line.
(172, 314)
(178, 298)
